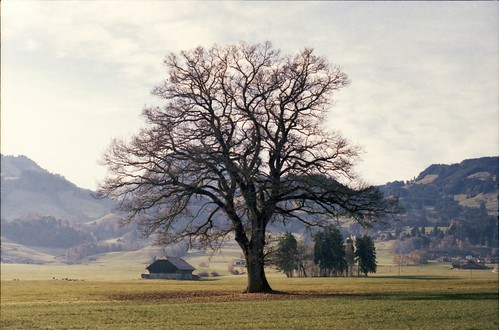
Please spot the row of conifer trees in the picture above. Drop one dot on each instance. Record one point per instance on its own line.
(329, 255)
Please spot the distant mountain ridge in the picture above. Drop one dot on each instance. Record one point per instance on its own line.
(12, 166)
(442, 193)
(27, 190)
(471, 176)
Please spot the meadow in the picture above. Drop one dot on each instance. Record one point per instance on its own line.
(111, 296)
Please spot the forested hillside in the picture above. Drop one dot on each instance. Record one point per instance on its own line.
(442, 193)
(28, 190)
(449, 209)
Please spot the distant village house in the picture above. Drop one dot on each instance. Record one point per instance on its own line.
(171, 268)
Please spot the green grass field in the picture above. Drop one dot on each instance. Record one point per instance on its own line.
(110, 296)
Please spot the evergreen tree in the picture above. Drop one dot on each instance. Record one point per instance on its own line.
(329, 253)
(365, 253)
(287, 257)
(435, 231)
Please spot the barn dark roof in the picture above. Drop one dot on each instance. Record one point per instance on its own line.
(180, 263)
(169, 265)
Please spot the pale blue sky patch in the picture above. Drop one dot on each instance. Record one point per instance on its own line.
(424, 74)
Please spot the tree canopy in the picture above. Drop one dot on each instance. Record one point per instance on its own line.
(329, 252)
(239, 143)
(287, 254)
(365, 253)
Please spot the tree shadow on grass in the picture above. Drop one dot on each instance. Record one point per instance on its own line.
(400, 296)
(436, 296)
(224, 296)
(416, 277)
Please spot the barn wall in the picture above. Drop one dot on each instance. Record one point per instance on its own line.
(170, 276)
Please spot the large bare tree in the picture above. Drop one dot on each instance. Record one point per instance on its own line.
(239, 143)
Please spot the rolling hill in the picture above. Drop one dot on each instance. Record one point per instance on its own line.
(47, 219)
(442, 193)
(28, 190)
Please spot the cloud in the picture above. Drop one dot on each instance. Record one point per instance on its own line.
(424, 75)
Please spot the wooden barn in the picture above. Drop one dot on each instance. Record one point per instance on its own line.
(172, 268)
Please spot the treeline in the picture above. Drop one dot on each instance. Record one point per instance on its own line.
(45, 232)
(81, 241)
(329, 255)
(83, 252)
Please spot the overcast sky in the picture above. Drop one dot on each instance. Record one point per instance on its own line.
(424, 74)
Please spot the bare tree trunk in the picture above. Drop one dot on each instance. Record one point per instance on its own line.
(255, 262)
(257, 281)
(303, 271)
